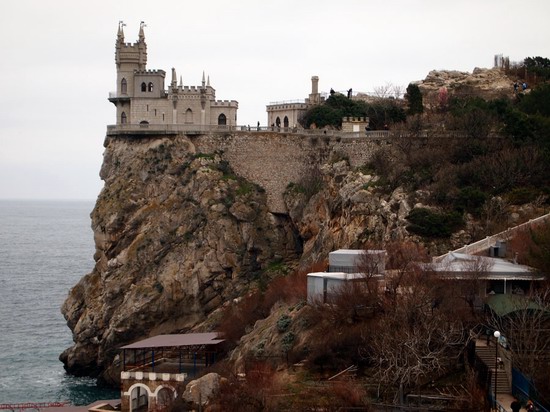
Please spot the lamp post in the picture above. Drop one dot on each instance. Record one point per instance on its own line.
(496, 334)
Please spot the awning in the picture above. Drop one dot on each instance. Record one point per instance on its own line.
(176, 340)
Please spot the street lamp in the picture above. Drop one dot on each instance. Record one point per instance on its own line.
(496, 334)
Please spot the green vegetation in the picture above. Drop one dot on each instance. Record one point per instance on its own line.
(414, 99)
(337, 106)
(283, 323)
(428, 223)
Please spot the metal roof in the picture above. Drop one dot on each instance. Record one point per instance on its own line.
(461, 265)
(170, 341)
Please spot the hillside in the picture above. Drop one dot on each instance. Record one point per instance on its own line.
(181, 237)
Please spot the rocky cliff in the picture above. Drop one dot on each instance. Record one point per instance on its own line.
(485, 83)
(178, 233)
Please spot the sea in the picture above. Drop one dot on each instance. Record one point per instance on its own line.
(45, 248)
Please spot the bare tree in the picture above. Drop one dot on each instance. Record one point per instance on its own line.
(416, 335)
(384, 91)
(527, 332)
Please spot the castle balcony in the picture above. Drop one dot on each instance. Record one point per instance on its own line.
(115, 97)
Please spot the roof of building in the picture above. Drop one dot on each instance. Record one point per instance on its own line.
(171, 341)
(99, 405)
(338, 275)
(461, 265)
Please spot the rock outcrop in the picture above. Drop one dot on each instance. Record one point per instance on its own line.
(485, 83)
(176, 234)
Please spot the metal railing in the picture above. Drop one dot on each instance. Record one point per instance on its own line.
(489, 241)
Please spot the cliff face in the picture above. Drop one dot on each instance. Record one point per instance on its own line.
(176, 234)
(485, 83)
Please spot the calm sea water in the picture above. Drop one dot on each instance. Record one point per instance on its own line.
(45, 248)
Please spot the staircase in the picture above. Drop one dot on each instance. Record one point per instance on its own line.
(487, 355)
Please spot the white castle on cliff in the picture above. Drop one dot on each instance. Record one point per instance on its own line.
(142, 100)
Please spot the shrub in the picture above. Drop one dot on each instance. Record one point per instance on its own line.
(283, 323)
(522, 195)
(470, 199)
(288, 341)
(425, 222)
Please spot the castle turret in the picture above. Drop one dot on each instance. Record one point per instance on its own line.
(129, 57)
(314, 97)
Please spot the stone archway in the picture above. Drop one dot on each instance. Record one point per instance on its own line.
(139, 398)
(165, 397)
(285, 122)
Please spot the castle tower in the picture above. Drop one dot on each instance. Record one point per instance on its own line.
(129, 57)
(314, 97)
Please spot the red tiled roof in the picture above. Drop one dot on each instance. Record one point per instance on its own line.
(169, 341)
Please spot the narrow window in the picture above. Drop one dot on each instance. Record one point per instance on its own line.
(150, 86)
(278, 122)
(188, 116)
(143, 87)
(123, 86)
(147, 107)
(123, 118)
(222, 120)
(285, 122)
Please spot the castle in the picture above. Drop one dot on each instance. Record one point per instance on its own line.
(142, 100)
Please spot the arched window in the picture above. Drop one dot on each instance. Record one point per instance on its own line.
(222, 120)
(285, 122)
(123, 118)
(278, 121)
(143, 87)
(150, 86)
(139, 400)
(189, 116)
(123, 86)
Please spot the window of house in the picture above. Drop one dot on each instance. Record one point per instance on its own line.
(222, 120)
(123, 86)
(143, 87)
(123, 118)
(150, 86)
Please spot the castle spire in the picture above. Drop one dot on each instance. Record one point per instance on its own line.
(203, 81)
(120, 34)
(208, 81)
(181, 81)
(141, 32)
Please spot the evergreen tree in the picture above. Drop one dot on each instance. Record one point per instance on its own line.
(414, 99)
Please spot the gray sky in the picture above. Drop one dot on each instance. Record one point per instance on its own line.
(58, 63)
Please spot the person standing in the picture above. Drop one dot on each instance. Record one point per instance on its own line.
(515, 405)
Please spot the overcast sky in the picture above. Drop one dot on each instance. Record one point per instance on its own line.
(57, 65)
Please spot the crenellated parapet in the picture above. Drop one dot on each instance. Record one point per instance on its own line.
(150, 72)
(226, 103)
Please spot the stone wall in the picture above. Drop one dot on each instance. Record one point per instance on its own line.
(273, 160)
